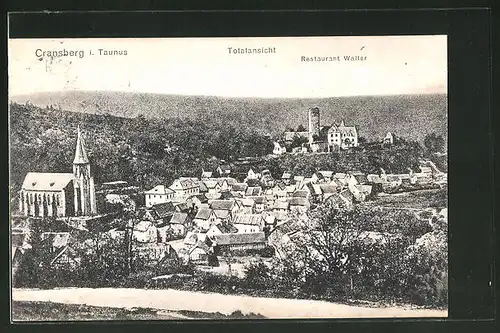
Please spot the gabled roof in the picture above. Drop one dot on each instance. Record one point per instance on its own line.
(211, 183)
(55, 239)
(163, 210)
(199, 245)
(222, 213)
(37, 181)
(237, 239)
(187, 182)
(206, 174)
(259, 199)
(226, 195)
(298, 178)
(325, 173)
(248, 219)
(160, 189)
(225, 228)
(253, 190)
(179, 218)
(203, 187)
(298, 201)
(281, 204)
(242, 187)
(374, 178)
(143, 226)
(300, 194)
(360, 178)
(286, 175)
(279, 186)
(328, 188)
(201, 197)
(247, 202)
(203, 214)
(221, 204)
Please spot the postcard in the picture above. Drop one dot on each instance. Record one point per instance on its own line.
(228, 178)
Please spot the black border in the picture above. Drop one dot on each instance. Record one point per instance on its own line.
(470, 124)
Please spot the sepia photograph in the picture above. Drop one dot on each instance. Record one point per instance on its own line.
(228, 178)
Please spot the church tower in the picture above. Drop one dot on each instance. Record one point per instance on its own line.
(83, 183)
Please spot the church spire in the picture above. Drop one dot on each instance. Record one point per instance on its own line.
(80, 153)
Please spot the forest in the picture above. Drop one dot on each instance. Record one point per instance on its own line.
(146, 152)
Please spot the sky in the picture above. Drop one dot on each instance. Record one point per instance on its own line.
(393, 65)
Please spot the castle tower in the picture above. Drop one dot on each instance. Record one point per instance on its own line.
(83, 183)
(314, 123)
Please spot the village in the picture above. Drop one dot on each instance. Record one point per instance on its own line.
(201, 219)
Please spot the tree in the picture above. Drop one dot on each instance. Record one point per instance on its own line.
(298, 141)
(434, 143)
(301, 128)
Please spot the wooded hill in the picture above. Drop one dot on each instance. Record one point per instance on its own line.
(412, 116)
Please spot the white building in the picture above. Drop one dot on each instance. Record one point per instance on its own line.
(158, 194)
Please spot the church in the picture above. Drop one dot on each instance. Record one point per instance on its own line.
(60, 194)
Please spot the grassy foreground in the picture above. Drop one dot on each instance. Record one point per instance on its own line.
(48, 311)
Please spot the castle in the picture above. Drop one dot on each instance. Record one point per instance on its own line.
(327, 138)
(60, 194)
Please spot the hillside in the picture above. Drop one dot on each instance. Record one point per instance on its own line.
(413, 116)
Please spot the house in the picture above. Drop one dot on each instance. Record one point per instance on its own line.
(327, 175)
(221, 228)
(252, 174)
(286, 178)
(182, 207)
(341, 136)
(279, 191)
(388, 139)
(193, 237)
(328, 190)
(301, 194)
(158, 194)
(161, 211)
(205, 175)
(343, 199)
(253, 191)
(317, 177)
(357, 178)
(239, 188)
(391, 181)
(58, 246)
(270, 197)
(212, 186)
(224, 170)
(405, 178)
(260, 202)
(290, 189)
(278, 149)
(199, 253)
(204, 218)
(298, 180)
(198, 200)
(341, 177)
(247, 223)
(145, 232)
(238, 242)
(222, 215)
(229, 205)
(299, 204)
(185, 187)
(179, 223)
(281, 206)
(267, 179)
(247, 205)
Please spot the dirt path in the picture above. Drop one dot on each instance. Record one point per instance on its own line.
(176, 300)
